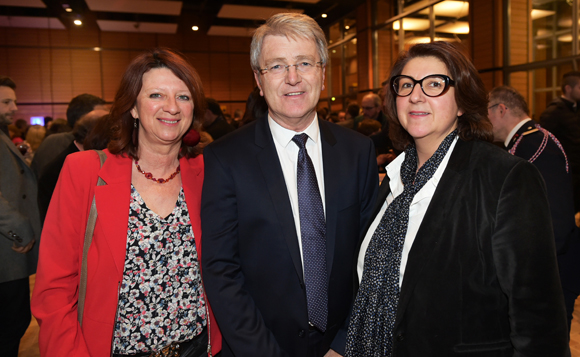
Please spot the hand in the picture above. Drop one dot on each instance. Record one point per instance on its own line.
(332, 353)
(25, 249)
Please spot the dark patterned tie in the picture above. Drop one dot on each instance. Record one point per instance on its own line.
(313, 232)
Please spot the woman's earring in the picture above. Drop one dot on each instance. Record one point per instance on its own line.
(135, 122)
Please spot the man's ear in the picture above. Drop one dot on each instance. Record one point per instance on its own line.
(257, 78)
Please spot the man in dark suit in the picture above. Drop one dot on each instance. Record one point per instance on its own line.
(509, 114)
(562, 118)
(284, 201)
(19, 230)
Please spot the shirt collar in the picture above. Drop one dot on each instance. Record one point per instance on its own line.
(394, 173)
(514, 131)
(284, 136)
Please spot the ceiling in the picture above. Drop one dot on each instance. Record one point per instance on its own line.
(213, 17)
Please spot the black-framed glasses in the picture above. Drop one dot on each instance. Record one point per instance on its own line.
(278, 69)
(433, 85)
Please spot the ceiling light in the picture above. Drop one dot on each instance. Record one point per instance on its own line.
(324, 16)
(539, 14)
(333, 99)
(97, 49)
(347, 27)
(194, 28)
(78, 22)
(68, 9)
(449, 8)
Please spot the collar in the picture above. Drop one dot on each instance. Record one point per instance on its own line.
(394, 172)
(284, 136)
(514, 131)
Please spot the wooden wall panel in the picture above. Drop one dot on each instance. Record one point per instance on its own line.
(44, 63)
(142, 41)
(57, 65)
(483, 33)
(19, 37)
(115, 40)
(196, 42)
(114, 65)
(84, 38)
(519, 43)
(219, 76)
(61, 76)
(58, 38)
(86, 72)
(24, 69)
(241, 77)
(219, 44)
(170, 41)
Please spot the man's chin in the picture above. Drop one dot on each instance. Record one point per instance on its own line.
(4, 120)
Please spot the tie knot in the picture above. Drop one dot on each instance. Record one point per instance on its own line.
(300, 140)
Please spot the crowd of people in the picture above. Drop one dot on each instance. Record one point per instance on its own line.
(159, 226)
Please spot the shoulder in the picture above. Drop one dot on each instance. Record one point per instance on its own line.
(488, 158)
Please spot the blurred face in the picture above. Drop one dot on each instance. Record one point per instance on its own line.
(575, 92)
(7, 105)
(370, 110)
(293, 95)
(427, 119)
(164, 108)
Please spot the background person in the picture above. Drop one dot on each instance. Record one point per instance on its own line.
(19, 229)
(144, 287)
(460, 248)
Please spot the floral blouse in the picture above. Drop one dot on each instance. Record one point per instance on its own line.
(161, 298)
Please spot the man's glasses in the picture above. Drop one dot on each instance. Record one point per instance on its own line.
(433, 85)
(278, 69)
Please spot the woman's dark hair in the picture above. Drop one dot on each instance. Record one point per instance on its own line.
(125, 138)
(256, 107)
(470, 93)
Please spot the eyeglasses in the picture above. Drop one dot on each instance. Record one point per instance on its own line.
(304, 67)
(433, 85)
(495, 105)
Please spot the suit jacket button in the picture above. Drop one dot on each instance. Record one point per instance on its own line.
(301, 334)
(400, 337)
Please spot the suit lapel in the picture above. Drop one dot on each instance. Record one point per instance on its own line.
(270, 166)
(425, 242)
(112, 202)
(330, 162)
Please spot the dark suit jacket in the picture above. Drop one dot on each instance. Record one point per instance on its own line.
(481, 277)
(251, 259)
(563, 120)
(18, 212)
(49, 178)
(552, 165)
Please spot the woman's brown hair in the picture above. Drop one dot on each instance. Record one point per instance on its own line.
(470, 93)
(125, 138)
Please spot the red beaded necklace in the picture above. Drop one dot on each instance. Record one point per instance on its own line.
(149, 175)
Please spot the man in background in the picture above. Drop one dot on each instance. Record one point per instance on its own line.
(562, 118)
(19, 230)
(214, 122)
(54, 144)
(509, 114)
(371, 109)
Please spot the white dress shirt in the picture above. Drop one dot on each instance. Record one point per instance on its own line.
(417, 209)
(288, 155)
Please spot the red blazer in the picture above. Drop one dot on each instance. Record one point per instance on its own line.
(54, 300)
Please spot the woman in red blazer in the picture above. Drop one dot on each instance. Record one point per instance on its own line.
(144, 289)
